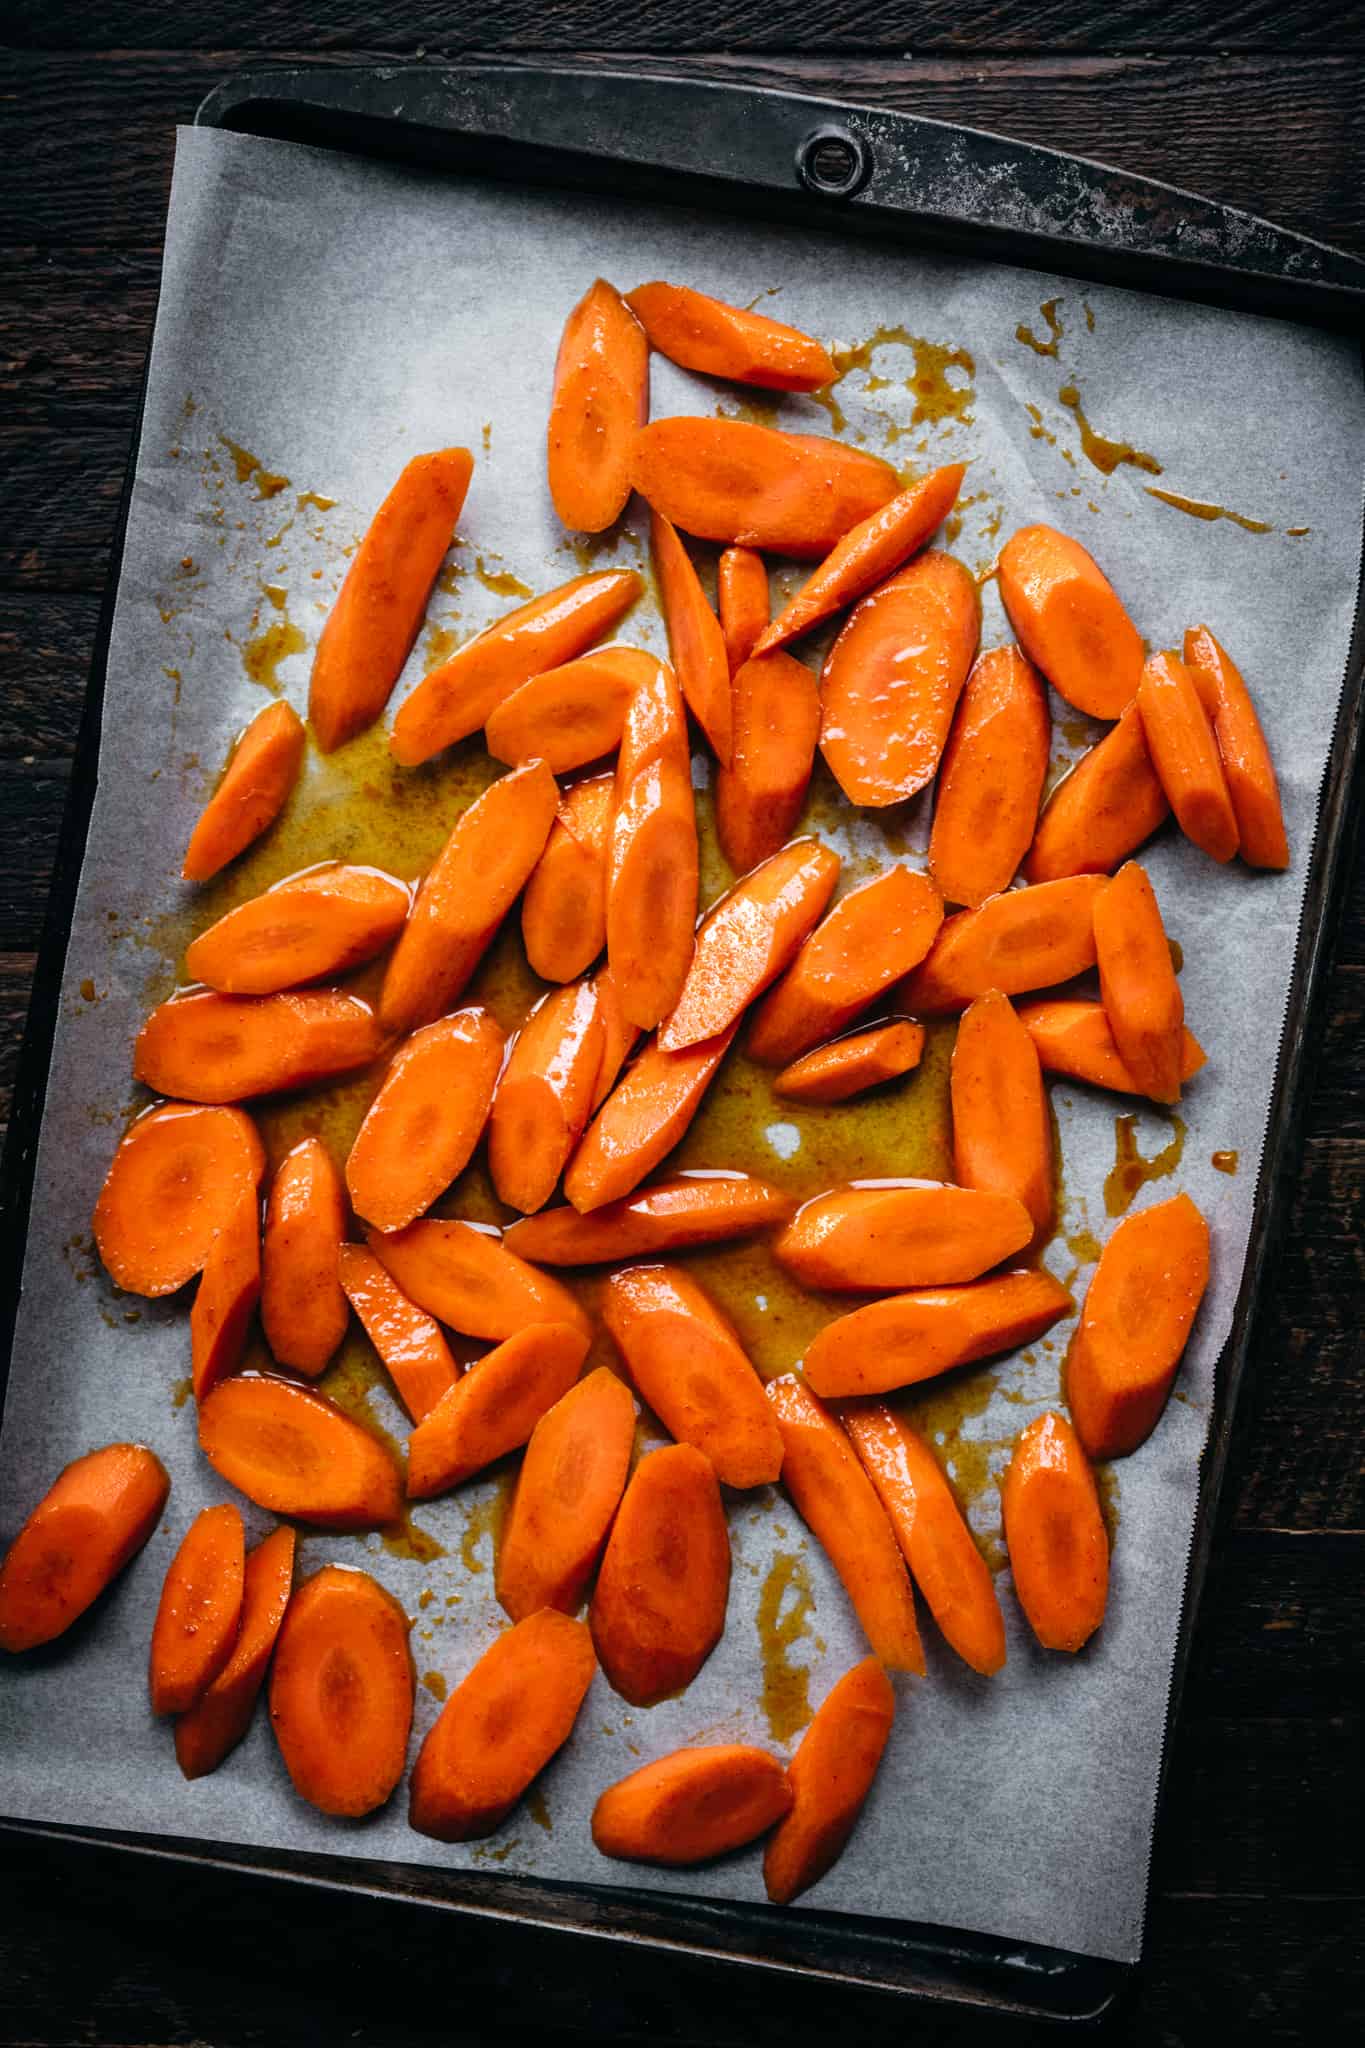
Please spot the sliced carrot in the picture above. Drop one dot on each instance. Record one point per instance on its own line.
(1025, 939)
(226, 1297)
(461, 695)
(179, 1173)
(1075, 1038)
(564, 909)
(222, 1714)
(600, 400)
(830, 1776)
(687, 1363)
(991, 778)
(323, 922)
(545, 1096)
(370, 630)
(211, 1048)
(742, 602)
(692, 1806)
(1054, 1531)
(747, 939)
(619, 1035)
(875, 934)
(570, 715)
(1138, 987)
(200, 1610)
(568, 1489)
(1070, 620)
(794, 494)
(901, 1233)
(91, 1521)
(341, 1691)
(303, 1309)
(653, 863)
(1247, 764)
(892, 679)
(658, 1608)
(1099, 813)
(913, 1337)
(760, 795)
(461, 1274)
(835, 1497)
(867, 554)
(866, 1059)
(1134, 1325)
(500, 1727)
(466, 894)
(1002, 1131)
(1185, 755)
(696, 1208)
(705, 334)
(427, 1118)
(495, 1406)
(934, 1538)
(410, 1343)
(295, 1453)
(695, 639)
(642, 1119)
(261, 771)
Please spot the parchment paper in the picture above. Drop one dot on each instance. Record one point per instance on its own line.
(336, 316)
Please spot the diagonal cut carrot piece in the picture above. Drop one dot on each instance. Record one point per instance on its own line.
(545, 1096)
(494, 1407)
(760, 795)
(916, 1336)
(428, 1116)
(463, 1275)
(718, 340)
(1102, 810)
(600, 400)
(695, 639)
(642, 1119)
(408, 1340)
(1242, 748)
(794, 494)
(990, 778)
(261, 771)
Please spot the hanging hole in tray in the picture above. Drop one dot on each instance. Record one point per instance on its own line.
(833, 163)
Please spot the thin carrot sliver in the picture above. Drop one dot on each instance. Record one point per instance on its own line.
(220, 1717)
(1184, 751)
(564, 909)
(1242, 748)
(1102, 810)
(226, 1297)
(544, 1096)
(570, 715)
(762, 792)
(695, 640)
(741, 602)
(719, 340)
(1138, 985)
(848, 1067)
(653, 862)
(696, 1208)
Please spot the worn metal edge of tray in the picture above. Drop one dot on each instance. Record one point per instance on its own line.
(917, 179)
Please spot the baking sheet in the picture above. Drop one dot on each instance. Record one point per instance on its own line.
(323, 318)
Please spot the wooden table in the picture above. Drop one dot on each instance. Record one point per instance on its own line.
(1256, 1915)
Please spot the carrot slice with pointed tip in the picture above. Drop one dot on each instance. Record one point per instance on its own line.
(658, 1608)
(1070, 620)
(571, 1480)
(570, 715)
(210, 1048)
(901, 1233)
(294, 1452)
(564, 909)
(1054, 1532)
(369, 633)
(1185, 754)
(323, 922)
(848, 1067)
(793, 494)
(706, 334)
(744, 943)
(695, 639)
(179, 1173)
(1138, 987)
(653, 863)
(226, 1297)
(500, 1727)
(1002, 1133)
(495, 1406)
(696, 1208)
(760, 795)
(642, 1119)
(200, 1610)
(466, 894)
(341, 1691)
(1135, 1322)
(830, 1776)
(93, 1519)
(408, 1340)
(990, 778)
(688, 1365)
(600, 400)
(1075, 1038)
(303, 1309)
(1025, 939)
(261, 771)
(463, 1275)
(1102, 810)
(220, 1717)
(545, 1096)
(692, 1806)
(460, 696)
(619, 1035)
(1247, 764)
(741, 602)
(915, 1336)
(835, 1497)
(427, 1118)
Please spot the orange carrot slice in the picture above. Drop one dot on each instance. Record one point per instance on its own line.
(658, 1609)
(705, 334)
(1185, 755)
(1102, 810)
(85, 1529)
(892, 679)
(991, 778)
(760, 795)
(178, 1175)
(1138, 988)
(466, 894)
(211, 1048)
(653, 862)
(222, 1714)
(226, 1297)
(1025, 939)
(295, 1453)
(461, 695)
(687, 1363)
(600, 400)
(901, 1233)
(1002, 1132)
(742, 602)
(867, 1059)
(795, 494)
(261, 771)
(695, 639)
(834, 1496)
(744, 943)
(462, 1274)
(618, 1035)
(867, 554)
(426, 1119)
(1247, 764)
(696, 1208)
(200, 1610)
(830, 1776)
(913, 1337)
(570, 715)
(372, 625)
(875, 934)
(1070, 620)
(341, 1691)
(1134, 1325)
(494, 1408)
(500, 1727)
(644, 1117)
(934, 1538)
(692, 1806)
(564, 910)
(568, 1489)
(545, 1096)
(303, 1309)
(1054, 1531)
(410, 1343)
(322, 922)
(1074, 1038)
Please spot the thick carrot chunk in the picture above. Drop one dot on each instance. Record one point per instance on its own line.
(297, 1454)
(545, 1095)
(1070, 621)
(462, 1274)
(653, 862)
(303, 1308)
(793, 494)
(705, 334)
(1025, 939)
(1103, 810)
(568, 1489)
(210, 1048)
(221, 1715)
(1184, 750)
(226, 1297)
(180, 1172)
(760, 795)
(1002, 1131)
(564, 909)
(1247, 763)
(571, 715)
(901, 1233)
(990, 779)
(830, 1776)
(696, 1208)
(323, 922)
(494, 1407)
(865, 1059)
(1138, 988)
(642, 1119)
(692, 1806)
(658, 1609)
(341, 1691)
(600, 400)
(744, 943)
(913, 1337)
(1075, 1038)
(84, 1530)
(427, 1118)
(1135, 1321)
(1054, 1531)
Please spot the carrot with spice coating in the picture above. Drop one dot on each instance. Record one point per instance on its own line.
(323, 922)
(428, 1116)
(760, 794)
(1002, 1132)
(544, 1096)
(658, 1608)
(295, 1453)
(692, 1806)
(1135, 1322)
(746, 940)
(410, 1343)
(741, 602)
(178, 1174)
(1185, 755)
(886, 1234)
(1025, 939)
(754, 487)
(718, 340)
(848, 1067)
(990, 778)
(1247, 764)
(1075, 1038)
(567, 1493)
(303, 1309)
(341, 1691)
(1138, 986)
(494, 1407)
(1102, 810)
(653, 862)
(644, 1117)
(830, 1776)
(226, 1297)
(915, 1336)
(222, 1714)
(260, 774)
(564, 909)
(462, 1274)
(93, 1519)
(1054, 1532)
(695, 639)
(599, 402)
(205, 1047)
(570, 715)
(200, 1610)
(696, 1208)
(1070, 620)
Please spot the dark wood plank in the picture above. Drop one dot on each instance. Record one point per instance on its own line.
(45, 649)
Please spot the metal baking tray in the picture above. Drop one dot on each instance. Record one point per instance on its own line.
(744, 151)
